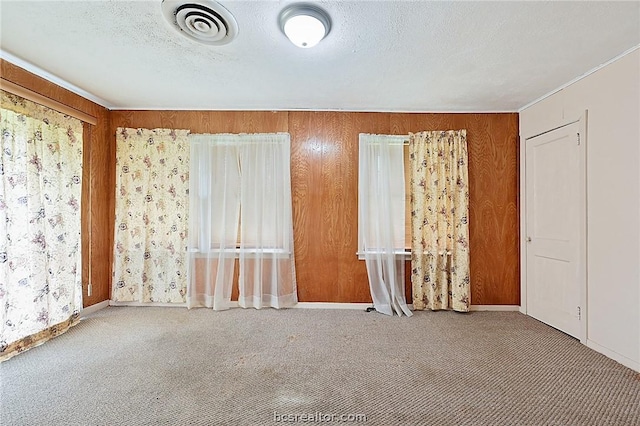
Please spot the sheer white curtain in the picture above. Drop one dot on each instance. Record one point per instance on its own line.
(214, 208)
(267, 270)
(240, 208)
(381, 199)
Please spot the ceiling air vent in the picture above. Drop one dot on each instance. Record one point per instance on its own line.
(205, 21)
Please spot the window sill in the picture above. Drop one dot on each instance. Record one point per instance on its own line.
(403, 254)
(235, 252)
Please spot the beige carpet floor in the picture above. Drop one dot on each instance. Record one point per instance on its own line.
(171, 366)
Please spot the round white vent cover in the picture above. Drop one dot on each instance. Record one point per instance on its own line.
(205, 21)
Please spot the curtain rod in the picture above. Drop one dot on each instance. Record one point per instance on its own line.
(16, 89)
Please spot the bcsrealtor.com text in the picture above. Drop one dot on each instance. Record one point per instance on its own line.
(318, 417)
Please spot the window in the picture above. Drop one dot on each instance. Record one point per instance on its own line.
(240, 193)
(384, 178)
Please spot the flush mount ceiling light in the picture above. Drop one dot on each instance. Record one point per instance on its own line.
(205, 21)
(304, 24)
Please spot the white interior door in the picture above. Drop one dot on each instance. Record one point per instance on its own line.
(555, 211)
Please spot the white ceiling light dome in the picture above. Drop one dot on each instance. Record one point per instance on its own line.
(304, 24)
(205, 21)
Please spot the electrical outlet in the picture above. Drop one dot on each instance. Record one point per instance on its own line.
(89, 290)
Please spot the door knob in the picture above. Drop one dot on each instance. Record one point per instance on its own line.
(528, 239)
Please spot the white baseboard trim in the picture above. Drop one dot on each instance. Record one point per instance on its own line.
(332, 305)
(363, 306)
(627, 362)
(156, 304)
(320, 305)
(94, 308)
(495, 308)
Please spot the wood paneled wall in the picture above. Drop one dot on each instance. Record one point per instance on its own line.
(98, 181)
(324, 174)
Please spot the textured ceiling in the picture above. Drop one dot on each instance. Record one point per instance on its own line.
(379, 56)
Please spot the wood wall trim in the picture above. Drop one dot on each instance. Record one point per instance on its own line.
(37, 84)
(16, 89)
(85, 212)
(102, 171)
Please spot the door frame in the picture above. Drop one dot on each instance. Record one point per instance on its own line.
(582, 218)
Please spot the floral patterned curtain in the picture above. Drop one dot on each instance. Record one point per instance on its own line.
(40, 253)
(440, 220)
(152, 185)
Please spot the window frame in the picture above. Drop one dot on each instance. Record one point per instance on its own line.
(399, 252)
